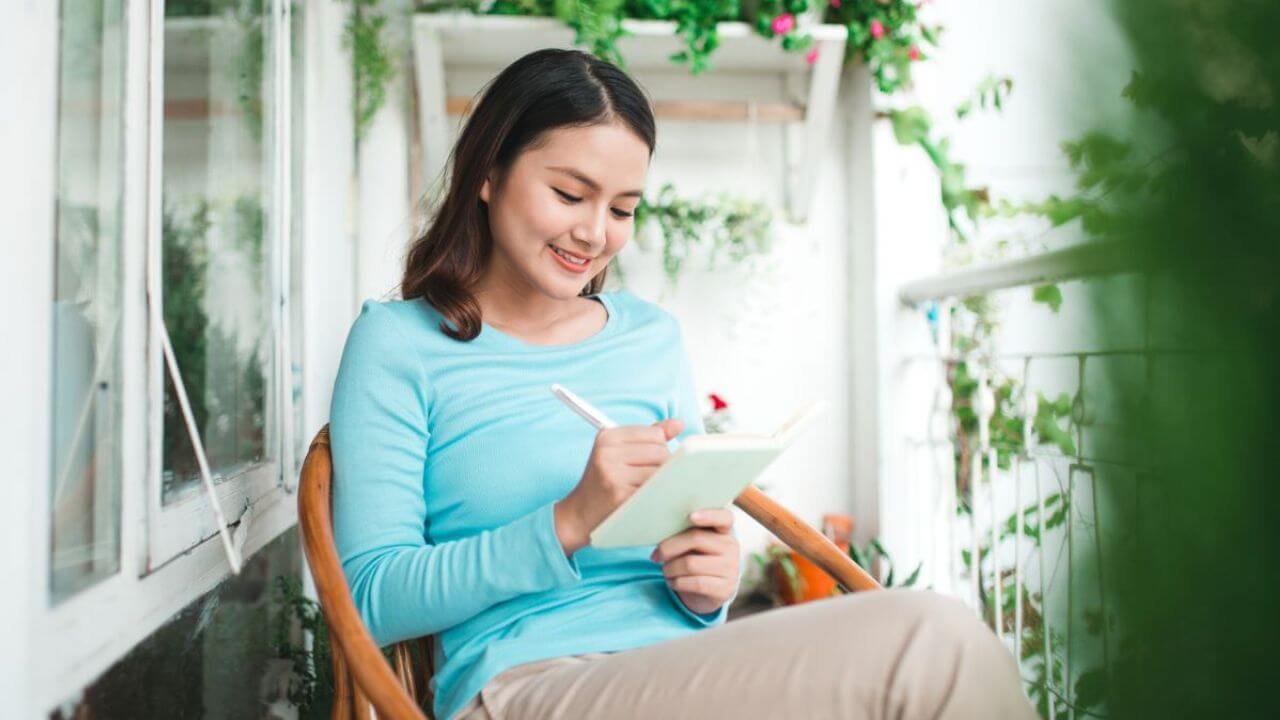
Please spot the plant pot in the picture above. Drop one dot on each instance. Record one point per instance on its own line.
(815, 584)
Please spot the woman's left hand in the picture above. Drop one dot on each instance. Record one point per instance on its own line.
(701, 563)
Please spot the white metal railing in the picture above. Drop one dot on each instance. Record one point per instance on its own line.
(1067, 525)
(1070, 263)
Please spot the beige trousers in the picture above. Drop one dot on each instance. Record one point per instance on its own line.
(885, 654)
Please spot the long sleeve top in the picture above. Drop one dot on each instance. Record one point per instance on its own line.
(448, 459)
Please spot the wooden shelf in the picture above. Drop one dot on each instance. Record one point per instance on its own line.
(802, 98)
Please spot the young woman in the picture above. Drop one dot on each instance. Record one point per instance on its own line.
(466, 490)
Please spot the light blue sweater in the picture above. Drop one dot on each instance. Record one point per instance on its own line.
(448, 458)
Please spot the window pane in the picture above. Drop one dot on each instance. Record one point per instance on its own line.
(298, 84)
(216, 252)
(85, 473)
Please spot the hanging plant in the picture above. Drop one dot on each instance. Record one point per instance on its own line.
(696, 24)
(736, 226)
(371, 66)
(887, 35)
(778, 18)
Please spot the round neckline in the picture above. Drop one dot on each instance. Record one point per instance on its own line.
(493, 334)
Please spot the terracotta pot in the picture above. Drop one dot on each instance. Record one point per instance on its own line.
(814, 583)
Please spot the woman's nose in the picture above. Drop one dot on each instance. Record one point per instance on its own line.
(591, 230)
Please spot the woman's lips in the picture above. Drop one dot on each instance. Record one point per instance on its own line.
(568, 265)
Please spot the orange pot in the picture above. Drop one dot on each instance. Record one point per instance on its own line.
(814, 583)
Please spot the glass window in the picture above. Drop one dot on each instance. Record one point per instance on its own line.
(297, 116)
(85, 473)
(217, 257)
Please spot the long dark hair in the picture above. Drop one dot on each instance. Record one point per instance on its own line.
(541, 91)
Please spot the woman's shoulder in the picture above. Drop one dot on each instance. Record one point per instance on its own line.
(641, 312)
(396, 320)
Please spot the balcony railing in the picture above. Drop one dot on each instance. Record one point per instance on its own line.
(998, 497)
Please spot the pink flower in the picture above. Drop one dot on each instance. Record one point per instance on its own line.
(812, 56)
(783, 24)
(914, 53)
(835, 3)
(877, 29)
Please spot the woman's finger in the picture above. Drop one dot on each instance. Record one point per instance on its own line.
(695, 540)
(719, 519)
(694, 564)
(707, 585)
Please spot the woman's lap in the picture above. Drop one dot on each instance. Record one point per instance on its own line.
(884, 654)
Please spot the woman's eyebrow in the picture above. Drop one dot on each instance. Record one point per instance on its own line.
(577, 175)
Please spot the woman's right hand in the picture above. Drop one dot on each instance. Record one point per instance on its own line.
(622, 459)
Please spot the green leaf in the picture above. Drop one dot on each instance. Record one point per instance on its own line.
(875, 543)
(859, 556)
(1050, 295)
(1091, 688)
(913, 577)
(910, 126)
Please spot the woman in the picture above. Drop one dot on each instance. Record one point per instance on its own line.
(466, 490)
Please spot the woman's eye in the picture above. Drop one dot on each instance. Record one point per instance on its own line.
(621, 214)
(566, 195)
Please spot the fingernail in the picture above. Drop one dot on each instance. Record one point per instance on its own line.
(696, 516)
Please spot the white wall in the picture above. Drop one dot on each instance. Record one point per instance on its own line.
(770, 338)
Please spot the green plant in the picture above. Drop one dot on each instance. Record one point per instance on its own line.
(225, 382)
(184, 264)
(371, 65)
(777, 556)
(777, 18)
(874, 554)
(887, 35)
(696, 22)
(873, 557)
(738, 227)
(297, 616)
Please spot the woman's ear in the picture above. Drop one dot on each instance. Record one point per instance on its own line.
(484, 191)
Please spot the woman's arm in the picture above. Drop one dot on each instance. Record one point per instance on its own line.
(403, 586)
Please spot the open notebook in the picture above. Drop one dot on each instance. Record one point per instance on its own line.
(706, 471)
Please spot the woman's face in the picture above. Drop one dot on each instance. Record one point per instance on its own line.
(577, 192)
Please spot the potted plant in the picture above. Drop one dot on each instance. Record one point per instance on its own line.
(789, 578)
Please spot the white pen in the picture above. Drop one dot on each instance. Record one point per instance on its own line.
(583, 408)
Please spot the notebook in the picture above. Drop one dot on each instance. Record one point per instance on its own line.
(706, 471)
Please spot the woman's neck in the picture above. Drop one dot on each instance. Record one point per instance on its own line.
(524, 311)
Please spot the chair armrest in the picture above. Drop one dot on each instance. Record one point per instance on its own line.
(374, 677)
(805, 539)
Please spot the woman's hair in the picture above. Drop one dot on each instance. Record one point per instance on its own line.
(541, 91)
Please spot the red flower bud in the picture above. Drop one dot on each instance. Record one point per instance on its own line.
(717, 403)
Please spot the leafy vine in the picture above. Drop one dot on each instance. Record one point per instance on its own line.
(371, 64)
(736, 226)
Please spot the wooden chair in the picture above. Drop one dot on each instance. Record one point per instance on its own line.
(367, 686)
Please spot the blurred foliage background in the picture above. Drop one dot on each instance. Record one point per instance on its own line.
(1199, 624)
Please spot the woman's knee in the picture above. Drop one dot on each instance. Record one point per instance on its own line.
(945, 619)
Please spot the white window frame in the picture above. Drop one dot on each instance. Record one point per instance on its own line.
(51, 652)
(186, 522)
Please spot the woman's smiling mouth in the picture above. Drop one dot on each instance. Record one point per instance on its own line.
(570, 261)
